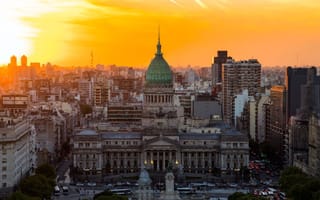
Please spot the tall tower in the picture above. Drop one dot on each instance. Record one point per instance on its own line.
(24, 61)
(13, 61)
(217, 66)
(295, 79)
(236, 77)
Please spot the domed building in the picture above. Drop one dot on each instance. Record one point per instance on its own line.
(159, 72)
(159, 109)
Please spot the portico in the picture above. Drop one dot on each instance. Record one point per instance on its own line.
(159, 152)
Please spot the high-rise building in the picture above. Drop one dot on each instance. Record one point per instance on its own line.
(101, 93)
(276, 134)
(220, 59)
(295, 78)
(24, 61)
(236, 77)
(307, 83)
(13, 61)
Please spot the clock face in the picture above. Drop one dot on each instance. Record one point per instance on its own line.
(170, 178)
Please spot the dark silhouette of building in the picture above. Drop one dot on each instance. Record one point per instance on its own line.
(308, 101)
(24, 61)
(295, 78)
(217, 66)
(276, 134)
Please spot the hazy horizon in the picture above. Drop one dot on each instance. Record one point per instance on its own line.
(276, 32)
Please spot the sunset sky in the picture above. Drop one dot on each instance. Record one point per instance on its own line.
(124, 32)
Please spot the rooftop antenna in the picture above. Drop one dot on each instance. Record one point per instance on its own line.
(91, 57)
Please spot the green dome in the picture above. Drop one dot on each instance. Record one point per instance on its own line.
(159, 71)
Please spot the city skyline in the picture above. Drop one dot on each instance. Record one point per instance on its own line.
(124, 33)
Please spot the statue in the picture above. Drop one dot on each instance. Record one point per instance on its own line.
(169, 193)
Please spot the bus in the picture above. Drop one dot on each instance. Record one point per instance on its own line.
(185, 190)
(56, 190)
(121, 191)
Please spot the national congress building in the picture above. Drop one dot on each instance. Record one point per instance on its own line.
(159, 142)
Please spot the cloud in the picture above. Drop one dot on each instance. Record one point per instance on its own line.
(201, 4)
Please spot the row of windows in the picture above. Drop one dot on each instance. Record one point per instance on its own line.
(235, 145)
(121, 143)
(234, 156)
(198, 143)
(87, 145)
(122, 154)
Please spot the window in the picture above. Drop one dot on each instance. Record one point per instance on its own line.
(87, 144)
(4, 168)
(4, 185)
(235, 145)
(4, 176)
(80, 144)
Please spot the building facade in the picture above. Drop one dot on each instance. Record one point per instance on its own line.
(276, 133)
(236, 77)
(17, 151)
(159, 143)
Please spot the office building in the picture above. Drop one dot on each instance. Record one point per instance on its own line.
(236, 77)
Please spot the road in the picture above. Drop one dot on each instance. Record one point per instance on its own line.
(62, 169)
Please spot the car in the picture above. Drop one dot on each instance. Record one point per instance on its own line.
(92, 184)
(80, 184)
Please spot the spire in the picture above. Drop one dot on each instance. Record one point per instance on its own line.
(159, 44)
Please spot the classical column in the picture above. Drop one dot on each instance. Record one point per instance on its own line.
(151, 160)
(210, 160)
(189, 159)
(202, 163)
(111, 159)
(196, 161)
(158, 159)
(170, 156)
(164, 161)
(125, 160)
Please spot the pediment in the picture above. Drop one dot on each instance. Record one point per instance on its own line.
(161, 141)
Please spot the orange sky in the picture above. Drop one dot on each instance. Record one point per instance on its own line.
(124, 32)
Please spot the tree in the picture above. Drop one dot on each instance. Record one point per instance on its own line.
(107, 195)
(37, 186)
(298, 185)
(242, 196)
(47, 171)
(18, 195)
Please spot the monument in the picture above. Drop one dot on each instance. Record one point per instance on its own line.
(145, 191)
(169, 193)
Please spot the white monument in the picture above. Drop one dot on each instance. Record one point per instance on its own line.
(169, 193)
(145, 191)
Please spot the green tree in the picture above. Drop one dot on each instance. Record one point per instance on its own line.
(107, 195)
(242, 196)
(18, 195)
(37, 186)
(47, 171)
(298, 185)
